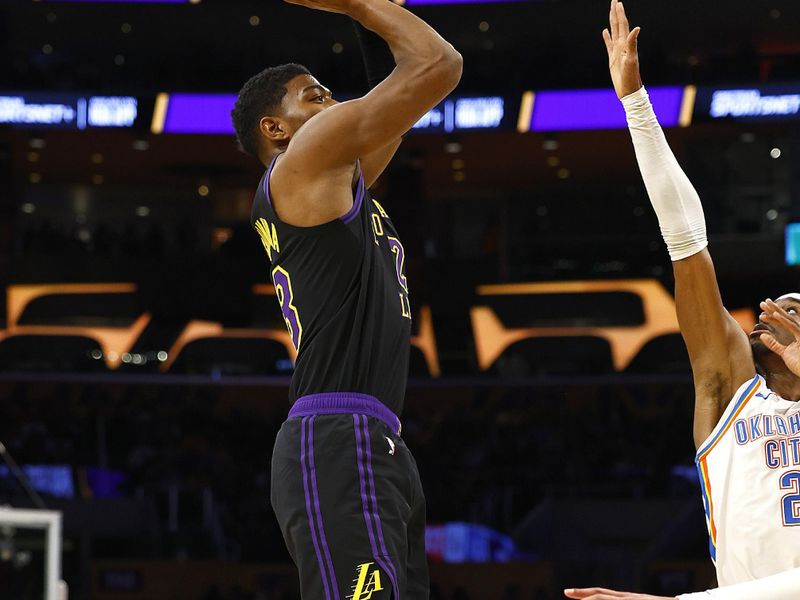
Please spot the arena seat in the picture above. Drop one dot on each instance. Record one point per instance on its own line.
(51, 353)
(87, 310)
(531, 357)
(233, 356)
(663, 354)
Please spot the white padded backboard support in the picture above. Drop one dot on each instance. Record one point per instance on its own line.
(50, 522)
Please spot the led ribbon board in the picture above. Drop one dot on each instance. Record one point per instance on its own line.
(460, 114)
(767, 103)
(194, 114)
(571, 110)
(211, 114)
(51, 111)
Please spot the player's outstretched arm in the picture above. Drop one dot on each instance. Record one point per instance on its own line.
(428, 68)
(783, 586)
(379, 64)
(606, 594)
(718, 347)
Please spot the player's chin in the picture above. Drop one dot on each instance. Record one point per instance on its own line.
(759, 349)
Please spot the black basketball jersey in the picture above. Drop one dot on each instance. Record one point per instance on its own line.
(344, 296)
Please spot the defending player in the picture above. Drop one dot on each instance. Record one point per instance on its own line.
(345, 488)
(747, 418)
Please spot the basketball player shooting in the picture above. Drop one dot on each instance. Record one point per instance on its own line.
(746, 418)
(344, 487)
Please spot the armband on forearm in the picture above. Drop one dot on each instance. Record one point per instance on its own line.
(677, 205)
(378, 58)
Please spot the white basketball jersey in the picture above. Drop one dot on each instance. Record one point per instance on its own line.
(750, 473)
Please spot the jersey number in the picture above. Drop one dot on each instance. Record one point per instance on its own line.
(399, 258)
(791, 501)
(283, 289)
(400, 265)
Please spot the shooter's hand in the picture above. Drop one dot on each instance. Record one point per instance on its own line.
(623, 56)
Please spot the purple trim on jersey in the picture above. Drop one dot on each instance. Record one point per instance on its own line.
(375, 513)
(357, 202)
(266, 180)
(311, 520)
(320, 527)
(365, 504)
(338, 403)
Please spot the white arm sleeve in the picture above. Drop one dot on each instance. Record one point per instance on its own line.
(783, 586)
(674, 199)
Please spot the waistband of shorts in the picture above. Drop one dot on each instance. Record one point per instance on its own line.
(340, 403)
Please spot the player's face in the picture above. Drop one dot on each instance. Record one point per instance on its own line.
(792, 307)
(305, 97)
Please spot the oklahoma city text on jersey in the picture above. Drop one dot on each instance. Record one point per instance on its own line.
(750, 472)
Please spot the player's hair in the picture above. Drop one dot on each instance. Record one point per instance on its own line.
(261, 95)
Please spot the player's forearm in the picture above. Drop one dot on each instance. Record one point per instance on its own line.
(783, 586)
(378, 59)
(412, 41)
(677, 205)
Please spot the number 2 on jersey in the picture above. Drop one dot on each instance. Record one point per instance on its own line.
(400, 264)
(283, 289)
(790, 503)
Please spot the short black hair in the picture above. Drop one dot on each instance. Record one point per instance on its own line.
(261, 95)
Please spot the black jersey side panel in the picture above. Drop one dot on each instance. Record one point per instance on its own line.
(342, 291)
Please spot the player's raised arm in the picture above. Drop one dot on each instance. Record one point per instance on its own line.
(379, 64)
(718, 348)
(428, 68)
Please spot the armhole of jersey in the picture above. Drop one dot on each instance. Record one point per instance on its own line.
(358, 199)
(740, 399)
(359, 192)
(266, 181)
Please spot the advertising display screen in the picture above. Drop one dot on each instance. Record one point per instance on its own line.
(762, 104)
(67, 111)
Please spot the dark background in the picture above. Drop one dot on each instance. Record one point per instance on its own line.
(588, 468)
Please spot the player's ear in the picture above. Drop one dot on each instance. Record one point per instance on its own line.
(273, 129)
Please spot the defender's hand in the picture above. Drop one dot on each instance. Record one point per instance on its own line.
(623, 56)
(344, 7)
(604, 594)
(790, 353)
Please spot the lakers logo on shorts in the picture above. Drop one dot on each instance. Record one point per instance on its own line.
(366, 583)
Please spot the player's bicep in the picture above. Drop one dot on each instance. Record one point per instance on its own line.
(352, 130)
(712, 336)
(718, 348)
(374, 163)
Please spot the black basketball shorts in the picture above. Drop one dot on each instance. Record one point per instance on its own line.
(348, 498)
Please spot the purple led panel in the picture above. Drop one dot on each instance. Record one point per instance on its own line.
(567, 110)
(200, 113)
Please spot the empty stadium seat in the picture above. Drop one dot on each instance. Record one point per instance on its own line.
(663, 354)
(233, 356)
(51, 353)
(580, 355)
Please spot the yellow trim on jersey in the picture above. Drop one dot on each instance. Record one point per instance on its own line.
(281, 293)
